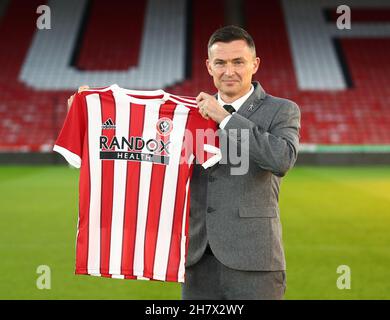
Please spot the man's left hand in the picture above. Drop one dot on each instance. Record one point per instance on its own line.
(209, 107)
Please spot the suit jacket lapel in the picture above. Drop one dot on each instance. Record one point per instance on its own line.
(250, 105)
(253, 102)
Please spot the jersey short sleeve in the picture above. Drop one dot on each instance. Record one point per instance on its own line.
(71, 138)
(206, 141)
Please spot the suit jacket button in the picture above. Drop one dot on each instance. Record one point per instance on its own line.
(209, 209)
(212, 179)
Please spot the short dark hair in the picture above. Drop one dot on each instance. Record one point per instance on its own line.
(229, 34)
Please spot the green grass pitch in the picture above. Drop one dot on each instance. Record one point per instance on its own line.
(330, 217)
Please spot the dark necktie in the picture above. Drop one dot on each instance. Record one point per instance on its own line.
(229, 108)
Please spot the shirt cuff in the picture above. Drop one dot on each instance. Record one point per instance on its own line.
(225, 121)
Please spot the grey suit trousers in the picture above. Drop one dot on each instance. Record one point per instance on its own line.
(209, 279)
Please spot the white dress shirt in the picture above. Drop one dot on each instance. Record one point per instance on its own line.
(235, 104)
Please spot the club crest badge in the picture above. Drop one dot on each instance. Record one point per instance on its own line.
(164, 126)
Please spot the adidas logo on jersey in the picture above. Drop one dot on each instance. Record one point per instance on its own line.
(108, 124)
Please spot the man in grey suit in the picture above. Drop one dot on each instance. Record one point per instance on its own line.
(235, 245)
(235, 242)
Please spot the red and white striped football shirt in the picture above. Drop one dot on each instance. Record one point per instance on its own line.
(136, 151)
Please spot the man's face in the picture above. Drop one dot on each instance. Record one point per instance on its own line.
(232, 65)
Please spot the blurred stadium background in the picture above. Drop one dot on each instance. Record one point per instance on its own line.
(335, 204)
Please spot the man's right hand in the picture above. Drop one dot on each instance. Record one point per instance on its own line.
(81, 89)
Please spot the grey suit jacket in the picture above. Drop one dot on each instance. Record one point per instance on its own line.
(239, 214)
